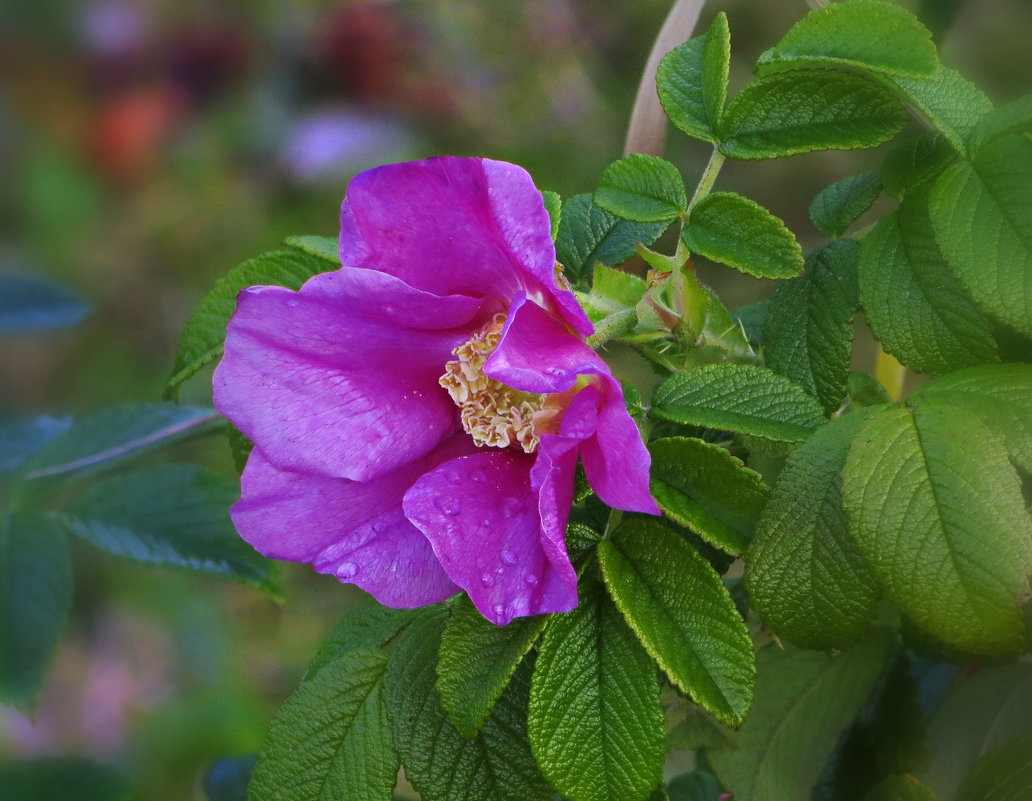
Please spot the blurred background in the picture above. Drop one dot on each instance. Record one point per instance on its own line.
(147, 146)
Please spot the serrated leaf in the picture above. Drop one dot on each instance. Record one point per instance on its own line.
(1000, 394)
(980, 210)
(32, 304)
(703, 487)
(805, 577)
(862, 34)
(642, 188)
(1004, 774)
(799, 111)
(840, 205)
(900, 788)
(739, 397)
(35, 594)
(21, 439)
(169, 515)
(804, 701)
(326, 248)
(808, 334)
(65, 778)
(937, 510)
(917, 309)
(110, 437)
(950, 101)
(683, 615)
(369, 625)
(983, 711)
(595, 723)
(692, 81)
(205, 329)
(1015, 117)
(441, 764)
(477, 660)
(916, 162)
(554, 207)
(734, 230)
(588, 234)
(331, 738)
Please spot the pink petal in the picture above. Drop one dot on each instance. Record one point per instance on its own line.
(341, 378)
(481, 518)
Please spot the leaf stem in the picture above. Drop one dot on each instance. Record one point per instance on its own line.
(709, 177)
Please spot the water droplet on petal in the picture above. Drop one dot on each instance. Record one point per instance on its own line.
(509, 557)
(450, 506)
(487, 580)
(511, 506)
(292, 303)
(485, 523)
(531, 579)
(347, 570)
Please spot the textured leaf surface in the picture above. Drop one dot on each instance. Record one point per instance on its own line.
(950, 101)
(31, 304)
(705, 488)
(937, 510)
(739, 397)
(596, 727)
(64, 778)
(1012, 118)
(642, 188)
(477, 660)
(980, 210)
(863, 34)
(682, 613)
(554, 207)
(588, 234)
(442, 765)
(916, 162)
(901, 788)
(800, 111)
(915, 305)
(986, 710)
(804, 701)
(808, 334)
(692, 81)
(331, 739)
(840, 205)
(369, 625)
(326, 248)
(734, 230)
(1004, 774)
(35, 593)
(804, 575)
(168, 515)
(202, 337)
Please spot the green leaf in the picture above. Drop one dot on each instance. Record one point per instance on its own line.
(110, 437)
(441, 764)
(980, 210)
(980, 713)
(240, 447)
(31, 304)
(596, 727)
(554, 207)
(703, 487)
(808, 334)
(863, 34)
(864, 390)
(324, 247)
(202, 337)
(804, 575)
(915, 306)
(35, 594)
(800, 111)
(751, 318)
(64, 778)
(1004, 774)
(840, 205)
(697, 729)
(331, 738)
(916, 162)
(1000, 394)
(369, 625)
(739, 397)
(804, 701)
(692, 81)
(948, 100)
(169, 515)
(1015, 117)
(642, 188)
(21, 439)
(477, 660)
(734, 230)
(683, 615)
(612, 292)
(937, 510)
(590, 235)
(900, 788)
(697, 785)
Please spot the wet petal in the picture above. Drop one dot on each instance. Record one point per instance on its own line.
(482, 520)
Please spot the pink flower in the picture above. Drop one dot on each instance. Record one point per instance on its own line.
(418, 414)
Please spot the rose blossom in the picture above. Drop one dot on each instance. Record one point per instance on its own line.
(418, 414)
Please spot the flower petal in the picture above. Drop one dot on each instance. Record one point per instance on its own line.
(341, 378)
(456, 226)
(353, 530)
(481, 518)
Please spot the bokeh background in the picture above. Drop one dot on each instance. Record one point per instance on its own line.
(147, 146)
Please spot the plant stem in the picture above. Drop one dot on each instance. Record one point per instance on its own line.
(709, 177)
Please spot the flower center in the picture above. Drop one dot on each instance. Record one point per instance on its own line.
(492, 413)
